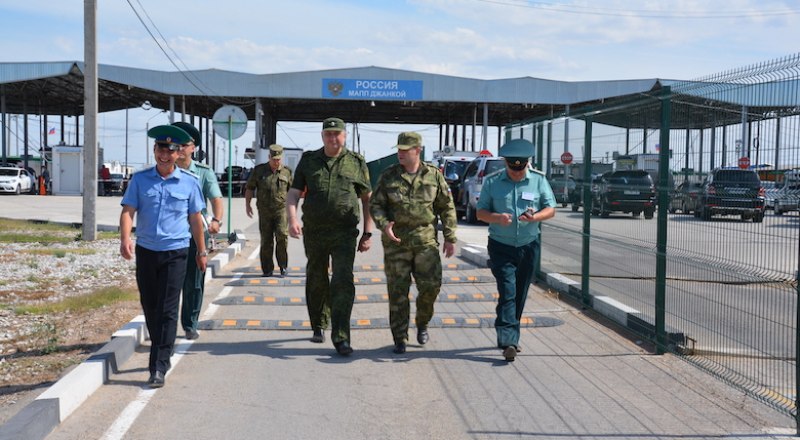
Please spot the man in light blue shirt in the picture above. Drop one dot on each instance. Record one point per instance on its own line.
(169, 203)
(513, 202)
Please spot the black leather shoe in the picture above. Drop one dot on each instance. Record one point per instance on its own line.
(192, 334)
(267, 274)
(156, 380)
(319, 336)
(399, 347)
(422, 335)
(284, 271)
(510, 353)
(343, 348)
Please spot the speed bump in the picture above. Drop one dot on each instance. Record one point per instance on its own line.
(260, 300)
(481, 321)
(359, 281)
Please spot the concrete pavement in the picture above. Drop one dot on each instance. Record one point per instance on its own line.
(579, 375)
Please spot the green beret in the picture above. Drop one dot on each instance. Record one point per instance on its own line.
(333, 124)
(169, 136)
(408, 140)
(189, 128)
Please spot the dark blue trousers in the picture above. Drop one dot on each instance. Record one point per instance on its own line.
(513, 269)
(159, 276)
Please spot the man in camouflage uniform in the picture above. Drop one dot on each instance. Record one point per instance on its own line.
(405, 205)
(194, 283)
(271, 182)
(335, 179)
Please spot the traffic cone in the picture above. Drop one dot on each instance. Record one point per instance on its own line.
(42, 187)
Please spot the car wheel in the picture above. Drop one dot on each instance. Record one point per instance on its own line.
(758, 218)
(648, 213)
(471, 215)
(574, 208)
(778, 211)
(603, 211)
(18, 191)
(705, 215)
(635, 214)
(672, 209)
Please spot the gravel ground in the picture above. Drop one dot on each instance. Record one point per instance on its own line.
(35, 350)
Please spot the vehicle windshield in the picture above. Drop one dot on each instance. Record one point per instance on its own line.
(454, 168)
(630, 179)
(494, 165)
(7, 172)
(736, 176)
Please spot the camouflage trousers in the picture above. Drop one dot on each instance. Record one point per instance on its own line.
(274, 232)
(330, 300)
(399, 264)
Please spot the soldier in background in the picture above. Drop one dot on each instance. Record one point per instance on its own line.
(194, 284)
(336, 179)
(405, 205)
(271, 182)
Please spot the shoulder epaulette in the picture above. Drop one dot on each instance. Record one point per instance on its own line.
(189, 173)
(201, 165)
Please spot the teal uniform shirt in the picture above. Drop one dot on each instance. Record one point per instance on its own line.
(500, 194)
(208, 181)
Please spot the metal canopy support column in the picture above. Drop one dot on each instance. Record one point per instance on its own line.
(587, 194)
(261, 146)
(25, 140)
(485, 133)
(700, 150)
(549, 147)
(474, 123)
(89, 231)
(627, 141)
(686, 156)
(745, 143)
(4, 129)
(724, 159)
(566, 130)
(777, 143)
(539, 133)
(171, 109)
(712, 151)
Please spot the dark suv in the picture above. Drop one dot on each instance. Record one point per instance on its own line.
(625, 191)
(732, 191)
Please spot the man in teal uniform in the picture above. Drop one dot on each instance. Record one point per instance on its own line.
(195, 281)
(405, 205)
(335, 180)
(270, 182)
(163, 199)
(514, 202)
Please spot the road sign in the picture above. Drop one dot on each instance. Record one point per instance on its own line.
(230, 122)
(744, 162)
(566, 158)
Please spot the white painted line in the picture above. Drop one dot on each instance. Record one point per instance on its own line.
(256, 253)
(131, 412)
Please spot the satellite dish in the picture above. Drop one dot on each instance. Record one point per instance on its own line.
(230, 122)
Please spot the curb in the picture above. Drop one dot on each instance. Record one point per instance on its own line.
(38, 419)
(609, 307)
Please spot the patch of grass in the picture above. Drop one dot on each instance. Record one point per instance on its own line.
(59, 253)
(95, 300)
(21, 231)
(107, 235)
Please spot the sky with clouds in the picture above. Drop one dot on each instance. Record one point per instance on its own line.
(487, 39)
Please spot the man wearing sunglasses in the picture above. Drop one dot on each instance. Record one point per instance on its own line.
(513, 203)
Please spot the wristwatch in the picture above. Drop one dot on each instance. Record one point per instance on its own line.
(202, 254)
(367, 235)
(214, 219)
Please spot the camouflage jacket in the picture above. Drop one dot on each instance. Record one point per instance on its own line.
(414, 202)
(270, 186)
(333, 188)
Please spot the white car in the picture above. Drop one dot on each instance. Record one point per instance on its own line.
(472, 182)
(15, 180)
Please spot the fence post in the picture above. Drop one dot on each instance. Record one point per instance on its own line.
(663, 206)
(587, 209)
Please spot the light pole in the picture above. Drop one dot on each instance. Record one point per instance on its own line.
(125, 173)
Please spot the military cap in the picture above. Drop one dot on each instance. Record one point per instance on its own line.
(169, 136)
(189, 128)
(275, 151)
(408, 140)
(517, 151)
(333, 124)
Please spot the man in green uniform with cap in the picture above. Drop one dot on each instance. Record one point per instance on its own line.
(335, 180)
(271, 182)
(514, 202)
(405, 205)
(195, 281)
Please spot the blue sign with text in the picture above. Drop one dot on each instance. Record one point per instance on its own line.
(372, 89)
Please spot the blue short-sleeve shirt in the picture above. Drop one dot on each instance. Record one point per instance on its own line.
(500, 194)
(162, 207)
